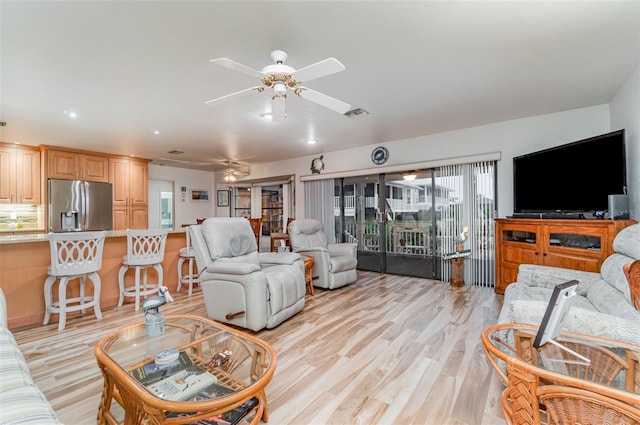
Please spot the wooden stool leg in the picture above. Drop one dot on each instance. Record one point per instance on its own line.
(190, 271)
(137, 284)
(62, 302)
(83, 284)
(121, 273)
(97, 287)
(180, 275)
(48, 298)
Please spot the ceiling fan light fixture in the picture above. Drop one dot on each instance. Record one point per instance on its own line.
(279, 89)
(280, 78)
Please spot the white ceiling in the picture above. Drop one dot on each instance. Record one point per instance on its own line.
(420, 67)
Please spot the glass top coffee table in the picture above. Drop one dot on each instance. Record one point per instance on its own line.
(197, 370)
(562, 375)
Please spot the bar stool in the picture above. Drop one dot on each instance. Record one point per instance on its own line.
(145, 248)
(76, 255)
(187, 254)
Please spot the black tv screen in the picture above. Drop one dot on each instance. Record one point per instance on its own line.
(575, 177)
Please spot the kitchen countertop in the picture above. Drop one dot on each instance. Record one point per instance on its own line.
(39, 237)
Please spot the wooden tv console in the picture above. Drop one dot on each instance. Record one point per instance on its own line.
(572, 244)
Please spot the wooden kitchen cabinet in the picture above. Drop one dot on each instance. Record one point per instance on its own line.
(73, 165)
(19, 175)
(573, 244)
(129, 178)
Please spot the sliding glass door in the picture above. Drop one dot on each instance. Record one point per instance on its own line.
(389, 217)
(410, 223)
(363, 218)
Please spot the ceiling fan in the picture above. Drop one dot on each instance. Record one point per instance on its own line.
(232, 169)
(280, 77)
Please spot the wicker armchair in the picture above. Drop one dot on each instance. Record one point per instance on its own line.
(569, 401)
(567, 405)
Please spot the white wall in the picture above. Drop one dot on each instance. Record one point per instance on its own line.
(186, 211)
(510, 138)
(625, 113)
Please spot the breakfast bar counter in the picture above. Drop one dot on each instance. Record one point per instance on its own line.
(24, 259)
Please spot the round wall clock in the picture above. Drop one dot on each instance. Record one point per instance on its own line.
(317, 165)
(380, 155)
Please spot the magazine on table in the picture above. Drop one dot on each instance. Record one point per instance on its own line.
(153, 372)
(183, 385)
(232, 417)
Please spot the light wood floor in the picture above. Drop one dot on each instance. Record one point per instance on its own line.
(384, 350)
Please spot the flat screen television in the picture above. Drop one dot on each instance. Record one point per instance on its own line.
(576, 177)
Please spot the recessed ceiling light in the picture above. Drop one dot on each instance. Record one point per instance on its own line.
(267, 116)
(311, 141)
(156, 131)
(71, 114)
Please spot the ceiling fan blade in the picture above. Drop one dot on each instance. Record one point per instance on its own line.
(318, 69)
(278, 108)
(322, 99)
(259, 89)
(231, 64)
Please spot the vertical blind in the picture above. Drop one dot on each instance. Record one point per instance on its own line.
(318, 204)
(476, 184)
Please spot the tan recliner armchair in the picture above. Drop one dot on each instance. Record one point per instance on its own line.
(240, 285)
(334, 263)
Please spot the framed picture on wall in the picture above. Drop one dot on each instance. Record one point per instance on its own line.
(199, 195)
(223, 198)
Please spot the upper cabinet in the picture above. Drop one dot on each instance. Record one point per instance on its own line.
(130, 193)
(19, 175)
(71, 165)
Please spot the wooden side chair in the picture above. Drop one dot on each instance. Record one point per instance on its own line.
(256, 224)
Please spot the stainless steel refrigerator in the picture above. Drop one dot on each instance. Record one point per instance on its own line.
(77, 205)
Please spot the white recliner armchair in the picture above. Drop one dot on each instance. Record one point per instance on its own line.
(240, 285)
(334, 264)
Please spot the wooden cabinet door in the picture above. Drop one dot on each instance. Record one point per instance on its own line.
(7, 174)
(575, 247)
(139, 217)
(28, 176)
(119, 177)
(515, 244)
(95, 168)
(70, 165)
(120, 218)
(62, 165)
(19, 175)
(138, 183)
(129, 178)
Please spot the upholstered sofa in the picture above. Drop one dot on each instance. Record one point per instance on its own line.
(603, 304)
(240, 285)
(21, 401)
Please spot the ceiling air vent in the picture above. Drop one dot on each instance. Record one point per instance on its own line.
(356, 112)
